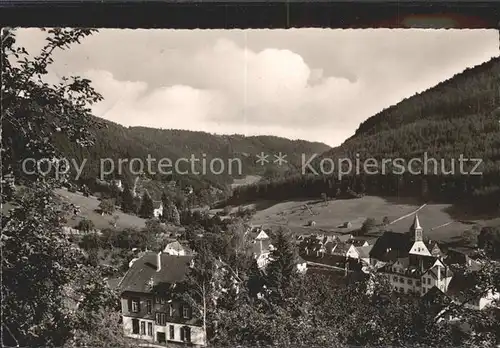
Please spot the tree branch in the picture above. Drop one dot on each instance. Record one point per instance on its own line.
(11, 335)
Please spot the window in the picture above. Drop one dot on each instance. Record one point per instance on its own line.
(157, 300)
(410, 282)
(395, 278)
(149, 306)
(160, 337)
(401, 280)
(170, 310)
(171, 332)
(401, 290)
(135, 305)
(135, 326)
(186, 334)
(161, 319)
(162, 300)
(150, 329)
(429, 281)
(143, 327)
(185, 312)
(419, 283)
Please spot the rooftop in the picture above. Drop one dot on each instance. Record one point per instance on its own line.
(138, 277)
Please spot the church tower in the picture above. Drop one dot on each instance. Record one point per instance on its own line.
(417, 230)
(418, 247)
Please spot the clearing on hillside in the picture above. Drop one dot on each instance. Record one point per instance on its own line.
(247, 180)
(88, 205)
(329, 218)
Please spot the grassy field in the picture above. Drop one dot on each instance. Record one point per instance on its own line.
(87, 210)
(247, 180)
(434, 218)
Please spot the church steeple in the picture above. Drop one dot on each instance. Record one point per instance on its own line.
(416, 229)
(419, 247)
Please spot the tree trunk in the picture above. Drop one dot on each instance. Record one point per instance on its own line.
(204, 314)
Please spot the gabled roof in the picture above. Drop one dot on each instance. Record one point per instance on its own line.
(139, 275)
(341, 248)
(262, 235)
(344, 237)
(329, 246)
(434, 249)
(364, 252)
(391, 245)
(176, 245)
(435, 299)
(356, 243)
(264, 244)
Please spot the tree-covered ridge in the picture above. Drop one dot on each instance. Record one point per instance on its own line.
(474, 136)
(115, 141)
(473, 92)
(458, 117)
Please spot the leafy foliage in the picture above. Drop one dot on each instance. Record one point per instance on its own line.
(147, 208)
(85, 225)
(107, 206)
(33, 111)
(47, 285)
(51, 294)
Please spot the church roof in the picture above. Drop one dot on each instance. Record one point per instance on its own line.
(391, 246)
(416, 224)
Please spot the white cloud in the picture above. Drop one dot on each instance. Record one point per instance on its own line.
(315, 84)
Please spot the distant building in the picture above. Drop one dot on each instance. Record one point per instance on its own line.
(361, 253)
(118, 184)
(408, 264)
(301, 265)
(176, 248)
(262, 249)
(157, 209)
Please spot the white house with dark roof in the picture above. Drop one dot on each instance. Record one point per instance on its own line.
(177, 249)
(407, 262)
(157, 316)
(157, 209)
(262, 248)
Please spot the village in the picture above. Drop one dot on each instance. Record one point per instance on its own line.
(413, 264)
(289, 251)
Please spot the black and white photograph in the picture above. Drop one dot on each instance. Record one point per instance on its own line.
(303, 187)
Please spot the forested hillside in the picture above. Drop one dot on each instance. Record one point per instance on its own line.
(460, 116)
(117, 142)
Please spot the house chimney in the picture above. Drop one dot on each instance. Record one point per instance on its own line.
(158, 262)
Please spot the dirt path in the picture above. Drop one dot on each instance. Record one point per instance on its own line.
(443, 225)
(405, 216)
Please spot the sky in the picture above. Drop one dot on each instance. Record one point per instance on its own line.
(311, 84)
